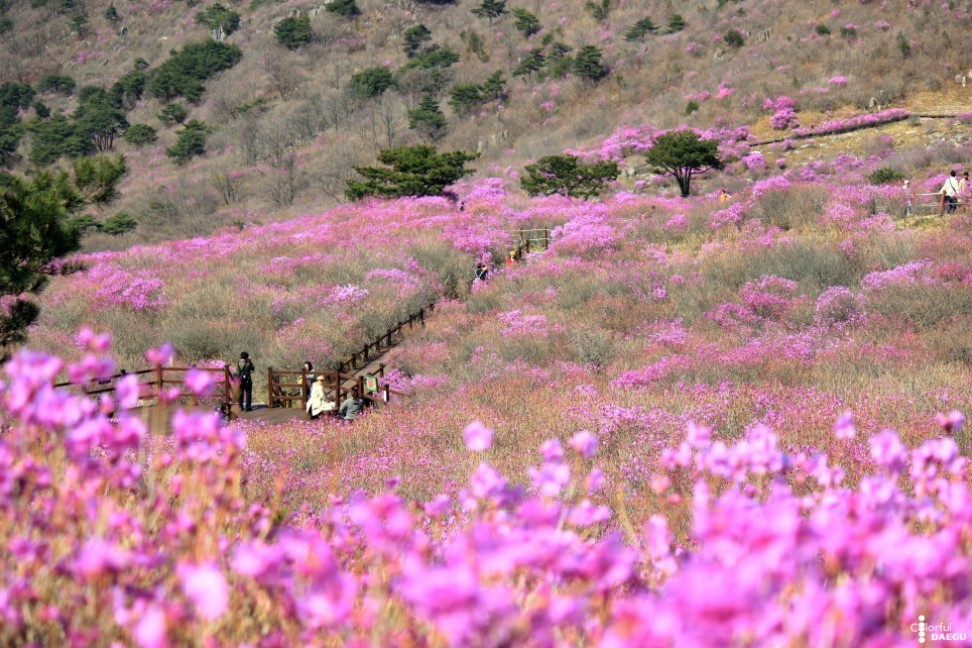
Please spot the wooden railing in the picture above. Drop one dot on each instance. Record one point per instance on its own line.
(531, 240)
(384, 341)
(153, 381)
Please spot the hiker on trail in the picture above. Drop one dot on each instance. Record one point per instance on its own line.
(908, 196)
(244, 371)
(481, 271)
(306, 380)
(462, 205)
(511, 259)
(949, 192)
(317, 404)
(724, 196)
(352, 405)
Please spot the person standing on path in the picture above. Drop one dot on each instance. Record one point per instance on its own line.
(244, 371)
(950, 191)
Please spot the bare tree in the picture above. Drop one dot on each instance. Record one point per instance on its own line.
(283, 178)
(229, 185)
(285, 77)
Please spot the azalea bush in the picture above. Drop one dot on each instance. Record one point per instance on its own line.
(109, 535)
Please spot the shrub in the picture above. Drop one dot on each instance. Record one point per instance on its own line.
(527, 23)
(691, 107)
(119, 224)
(641, 29)
(191, 142)
(903, 45)
(587, 64)
(676, 23)
(734, 39)
(6, 24)
(41, 109)
(475, 44)
(822, 29)
(415, 38)
(433, 58)
(56, 83)
(372, 82)
(128, 90)
(599, 10)
(346, 8)
(173, 113)
(140, 135)
(293, 32)
(566, 176)
(414, 171)
(111, 15)
(187, 70)
(16, 95)
(848, 31)
(219, 17)
(885, 175)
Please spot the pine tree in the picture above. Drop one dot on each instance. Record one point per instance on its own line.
(491, 9)
(410, 171)
(415, 38)
(532, 62)
(36, 213)
(566, 176)
(111, 15)
(683, 154)
(587, 64)
(494, 88)
(346, 8)
(428, 119)
(526, 22)
(676, 23)
(640, 28)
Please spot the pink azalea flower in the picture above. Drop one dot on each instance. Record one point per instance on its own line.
(477, 436)
(585, 443)
(205, 586)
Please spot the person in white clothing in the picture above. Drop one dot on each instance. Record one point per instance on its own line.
(908, 196)
(950, 192)
(317, 404)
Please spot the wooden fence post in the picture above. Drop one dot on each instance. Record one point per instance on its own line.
(158, 382)
(227, 394)
(269, 387)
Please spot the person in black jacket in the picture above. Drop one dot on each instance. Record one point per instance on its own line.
(244, 371)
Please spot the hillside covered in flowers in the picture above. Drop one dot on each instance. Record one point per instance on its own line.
(734, 418)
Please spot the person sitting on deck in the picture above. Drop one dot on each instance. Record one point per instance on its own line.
(317, 404)
(352, 405)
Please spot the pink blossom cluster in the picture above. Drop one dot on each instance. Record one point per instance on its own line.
(853, 123)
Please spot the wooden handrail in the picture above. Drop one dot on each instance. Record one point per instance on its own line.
(156, 383)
